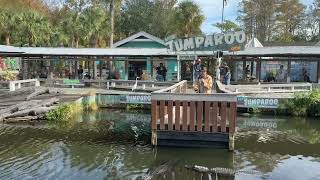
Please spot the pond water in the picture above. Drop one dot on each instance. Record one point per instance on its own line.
(113, 144)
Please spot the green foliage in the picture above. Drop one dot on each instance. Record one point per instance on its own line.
(227, 26)
(8, 76)
(135, 107)
(189, 18)
(86, 23)
(63, 113)
(303, 104)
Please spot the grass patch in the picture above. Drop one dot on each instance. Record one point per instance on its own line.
(63, 113)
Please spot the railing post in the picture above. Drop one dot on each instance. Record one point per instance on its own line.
(143, 86)
(108, 85)
(269, 89)
(12, 85)
(185, 87)
(292, 88)
(37, 83)
(19, 85)
(113, 84)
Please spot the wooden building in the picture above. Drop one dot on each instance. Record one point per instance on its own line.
(142, 52)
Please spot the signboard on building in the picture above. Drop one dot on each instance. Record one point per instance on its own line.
(230, 41)
(187, 57)
(253, 102)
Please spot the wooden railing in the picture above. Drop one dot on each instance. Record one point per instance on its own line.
(267, 88)
(117, 84)
(174, 110)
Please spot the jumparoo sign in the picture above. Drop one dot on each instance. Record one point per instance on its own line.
(227, 41)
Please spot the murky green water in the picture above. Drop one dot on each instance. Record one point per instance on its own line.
(114, 145)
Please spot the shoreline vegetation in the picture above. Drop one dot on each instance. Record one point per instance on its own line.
(302, 104)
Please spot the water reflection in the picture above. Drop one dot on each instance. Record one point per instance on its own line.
(103, 145)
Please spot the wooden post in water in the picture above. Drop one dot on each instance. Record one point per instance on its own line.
(231, 141)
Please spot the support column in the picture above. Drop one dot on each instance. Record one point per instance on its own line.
(318, 71)
(231, 142)
(178, 68)
(70, 69)
(100, 69)
(244, 63)
(258, 70)
(76, 67)
(95, 70)
(89, 69)
(288, 71)
(49, 76)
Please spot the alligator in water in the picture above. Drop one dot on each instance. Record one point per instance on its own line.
(218, 170)
(159, 170)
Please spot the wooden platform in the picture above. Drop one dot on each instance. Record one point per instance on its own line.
(194, 120)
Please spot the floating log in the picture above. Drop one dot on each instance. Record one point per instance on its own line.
(37, 93)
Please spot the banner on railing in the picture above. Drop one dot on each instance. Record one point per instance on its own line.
(136, 99)
(253, 102)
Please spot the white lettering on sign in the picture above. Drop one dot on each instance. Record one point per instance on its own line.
(229, 38)
(188, 44)
(199, 41)
(218, 39)
(261, 102)
(191, 43)
(138, 99)
(240, 37)
(208, 42)
(179, 45)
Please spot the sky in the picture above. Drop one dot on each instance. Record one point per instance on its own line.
(212, 10)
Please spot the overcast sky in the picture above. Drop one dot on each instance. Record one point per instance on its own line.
(212, 10)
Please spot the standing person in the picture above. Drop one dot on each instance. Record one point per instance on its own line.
(197, 67)
(281, 74)
(247, 71)
(305, 75)
(227, 75)
(223, 72)
(204, 83)
(161, 72)
(80, 72)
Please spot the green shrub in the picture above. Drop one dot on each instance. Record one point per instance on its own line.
(303, 104)
(63, 113)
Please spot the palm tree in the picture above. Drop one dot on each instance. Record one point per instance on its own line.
(35, 27)
(189, 18)
(97, 28)
(74, 26)
(8, 24)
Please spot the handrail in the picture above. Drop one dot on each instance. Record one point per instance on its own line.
(173, 87)
(263, 88)
(272, 85)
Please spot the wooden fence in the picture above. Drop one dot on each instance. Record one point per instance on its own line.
(174, 110)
